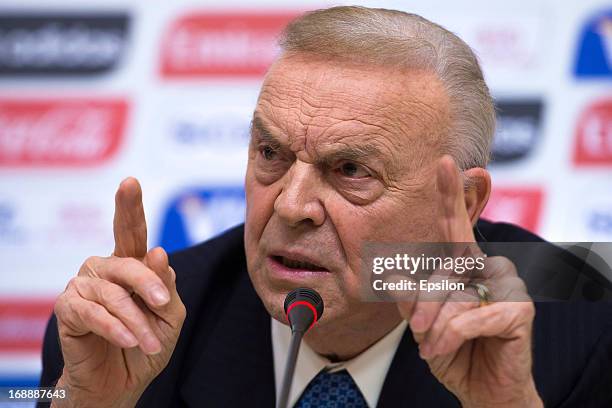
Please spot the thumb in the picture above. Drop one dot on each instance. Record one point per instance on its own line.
(174, 312)
(157, 260)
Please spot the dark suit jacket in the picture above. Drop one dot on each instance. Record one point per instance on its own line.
(224, 354)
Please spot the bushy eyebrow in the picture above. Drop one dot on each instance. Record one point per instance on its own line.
(263, 134)
(335, 154)
(351, 153)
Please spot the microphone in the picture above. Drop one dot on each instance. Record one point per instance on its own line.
(303, 307)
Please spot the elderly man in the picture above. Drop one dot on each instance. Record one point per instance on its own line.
(372, 126)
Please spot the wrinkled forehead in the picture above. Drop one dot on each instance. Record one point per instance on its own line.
(313, 102)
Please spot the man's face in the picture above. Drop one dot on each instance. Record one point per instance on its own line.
(340, 155)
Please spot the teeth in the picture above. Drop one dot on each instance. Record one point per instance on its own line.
(290, 263)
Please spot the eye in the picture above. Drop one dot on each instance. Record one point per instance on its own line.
(267, 152)
(353, 170)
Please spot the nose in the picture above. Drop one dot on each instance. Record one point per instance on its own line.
(299, 201)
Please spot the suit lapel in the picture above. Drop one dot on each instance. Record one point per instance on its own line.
(409, 383)
(234, 363)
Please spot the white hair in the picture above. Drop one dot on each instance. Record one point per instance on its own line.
(390, 37)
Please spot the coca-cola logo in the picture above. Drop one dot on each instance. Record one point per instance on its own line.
(593, 143)
(520, 206)
(23, 323)
(220, 44)
(60, 132)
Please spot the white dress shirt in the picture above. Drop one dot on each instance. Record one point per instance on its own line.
(368, 369)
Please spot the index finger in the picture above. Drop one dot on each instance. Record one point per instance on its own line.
(454, 221)
(129, 225)
(455, 229)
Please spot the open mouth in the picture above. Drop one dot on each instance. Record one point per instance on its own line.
(299, 265)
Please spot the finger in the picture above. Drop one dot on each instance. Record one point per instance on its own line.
(429, 303)
(156, 259)
(120, 304)
(498, 267)
(78, 317)
(129, 225)
(425, 311)
(455, 229)
(504, 320)
(172, 313)
(454, 221)
(130, 274)
(501, 286)
(456, 304)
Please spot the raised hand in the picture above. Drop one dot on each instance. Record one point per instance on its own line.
(119, 319)
(481, 353)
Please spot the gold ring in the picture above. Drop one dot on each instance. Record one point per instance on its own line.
(484, 295)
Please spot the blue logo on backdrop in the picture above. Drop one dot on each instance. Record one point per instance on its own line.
(600, 221)
(594, 56)
(11, 234)
(222, 131)
(199, 214)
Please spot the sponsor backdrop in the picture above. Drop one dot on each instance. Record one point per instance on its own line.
(93, 92)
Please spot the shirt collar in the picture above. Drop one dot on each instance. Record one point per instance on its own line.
(368, 369)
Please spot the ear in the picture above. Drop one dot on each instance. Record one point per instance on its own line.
(477, 191)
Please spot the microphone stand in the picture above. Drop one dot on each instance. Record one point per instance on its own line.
(303, 306)
(294, 348)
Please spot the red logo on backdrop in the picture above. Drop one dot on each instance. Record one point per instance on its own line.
(23, 323)
(221, 44)
(594, 135)
(60, 132)
(520, 206)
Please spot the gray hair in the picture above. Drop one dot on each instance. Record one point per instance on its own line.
(390, 37)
